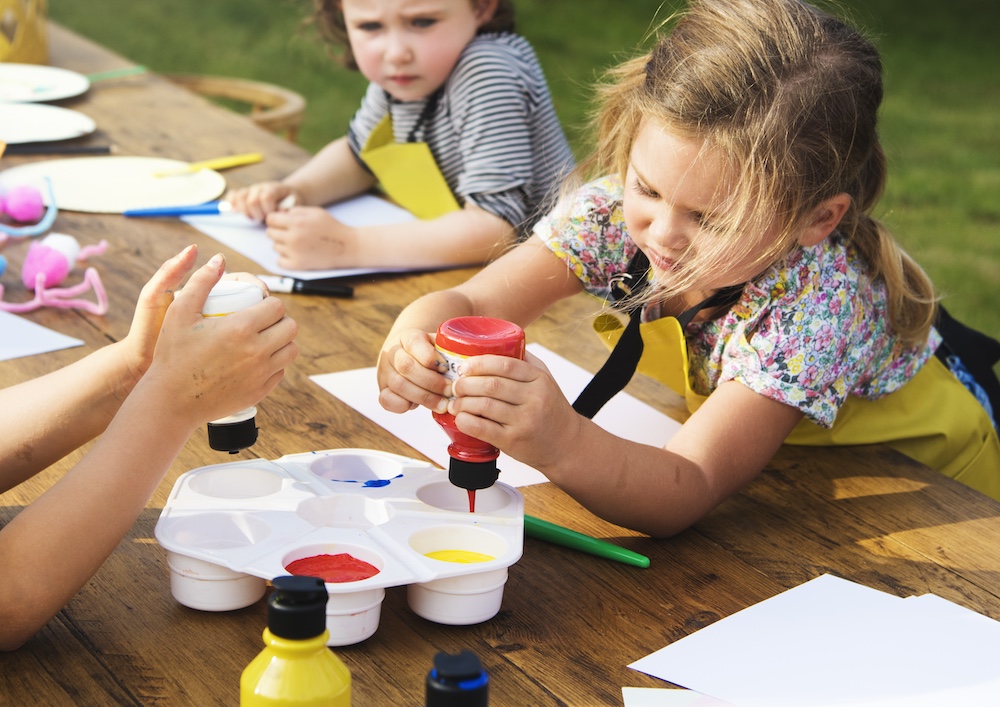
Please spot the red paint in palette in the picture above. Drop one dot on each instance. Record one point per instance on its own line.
(342, 567)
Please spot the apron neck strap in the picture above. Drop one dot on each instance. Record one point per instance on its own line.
(620, 366)
(428, 110)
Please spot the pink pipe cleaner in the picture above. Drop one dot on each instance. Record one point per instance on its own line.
(48, 263)
(62, 297)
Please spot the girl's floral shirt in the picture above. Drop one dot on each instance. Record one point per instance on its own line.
(807, 332)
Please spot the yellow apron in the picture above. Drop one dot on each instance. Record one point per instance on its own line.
(933, 418)
(408, 173)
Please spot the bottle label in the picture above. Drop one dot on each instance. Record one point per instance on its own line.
(454, 362)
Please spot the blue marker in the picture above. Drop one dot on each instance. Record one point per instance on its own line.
(210, 208)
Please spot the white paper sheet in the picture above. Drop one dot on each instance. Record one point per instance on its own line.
(248, 237)
(830, 642)
(652, 697)
(623, 415)
(20, 337)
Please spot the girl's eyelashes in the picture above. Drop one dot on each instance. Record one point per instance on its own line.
(370, 26)
(642, 190)
(423, 22)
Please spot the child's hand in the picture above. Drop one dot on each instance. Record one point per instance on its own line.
(516, 406)
(259, 200)
(410, 374)
(218, 365)
(309, 238)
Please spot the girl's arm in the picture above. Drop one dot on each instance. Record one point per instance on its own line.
(517, 407)
(518, 286)
(202, 369)
(309, 238)
(331, 175)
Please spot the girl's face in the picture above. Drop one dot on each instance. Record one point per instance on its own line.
(674, 197)
(409, 47)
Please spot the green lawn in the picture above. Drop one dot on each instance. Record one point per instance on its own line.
(941, 119)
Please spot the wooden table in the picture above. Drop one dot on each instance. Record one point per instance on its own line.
(570, 623)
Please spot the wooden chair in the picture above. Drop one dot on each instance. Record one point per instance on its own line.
(272, 107)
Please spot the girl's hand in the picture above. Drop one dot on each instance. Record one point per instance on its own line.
(516, 406)
(309, 238)
(259, 200)
(410, 374)
(215, 366)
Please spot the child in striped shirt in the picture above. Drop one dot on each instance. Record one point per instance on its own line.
(448, 79)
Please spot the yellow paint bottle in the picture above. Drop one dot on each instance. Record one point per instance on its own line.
(296, 668)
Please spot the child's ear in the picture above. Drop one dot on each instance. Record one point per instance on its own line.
(825, 218)
(485, 9)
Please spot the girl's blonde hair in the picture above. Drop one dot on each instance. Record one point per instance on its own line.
(787, 96)
(329, 17)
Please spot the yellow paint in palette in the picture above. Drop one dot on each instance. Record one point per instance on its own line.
(464, 556)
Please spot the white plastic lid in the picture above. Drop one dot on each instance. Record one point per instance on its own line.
(230, 296)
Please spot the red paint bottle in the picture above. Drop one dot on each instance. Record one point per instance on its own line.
(473, 463)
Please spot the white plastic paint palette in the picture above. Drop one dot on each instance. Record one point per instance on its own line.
(228, 528)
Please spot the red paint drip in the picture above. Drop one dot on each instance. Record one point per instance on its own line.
(472, 500)
(333, 568)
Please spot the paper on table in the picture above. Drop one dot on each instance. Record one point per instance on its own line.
(623, 415)
(20, 337)
(833, 642)
(248, 237)
(652, 697)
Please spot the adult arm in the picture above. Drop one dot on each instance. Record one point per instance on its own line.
(47, 417)
(202, 369)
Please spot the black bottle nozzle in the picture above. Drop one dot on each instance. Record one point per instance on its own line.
(472, 476)
(232, 437)
(296, 608)
(457, 681)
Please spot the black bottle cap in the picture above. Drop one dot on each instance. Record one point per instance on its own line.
(297, 607)
(233, 436)
(472, 475)
(457, 681)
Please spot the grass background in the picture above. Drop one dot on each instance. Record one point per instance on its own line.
(940, 119)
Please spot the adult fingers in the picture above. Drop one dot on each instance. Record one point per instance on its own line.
(191, 299)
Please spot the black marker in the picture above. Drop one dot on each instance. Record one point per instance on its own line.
(327, 288)
(47, 148)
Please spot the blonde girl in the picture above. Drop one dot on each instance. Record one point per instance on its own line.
(733, 225)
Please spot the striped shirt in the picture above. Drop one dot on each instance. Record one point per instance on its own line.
(494, 132)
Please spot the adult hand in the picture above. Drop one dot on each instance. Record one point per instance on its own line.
(217, 365)
(150, 308)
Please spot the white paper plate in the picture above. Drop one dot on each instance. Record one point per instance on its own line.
(34, 122)
(110, 185)
(31, 83)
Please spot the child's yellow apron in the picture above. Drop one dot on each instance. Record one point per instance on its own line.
(933, 418)
(407, 171)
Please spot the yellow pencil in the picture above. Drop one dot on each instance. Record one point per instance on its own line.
(217, 163)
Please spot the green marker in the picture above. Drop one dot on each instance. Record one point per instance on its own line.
(544, 530)
(116, 73)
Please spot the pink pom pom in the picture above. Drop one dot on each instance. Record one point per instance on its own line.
(43, 259)
(24, 204)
